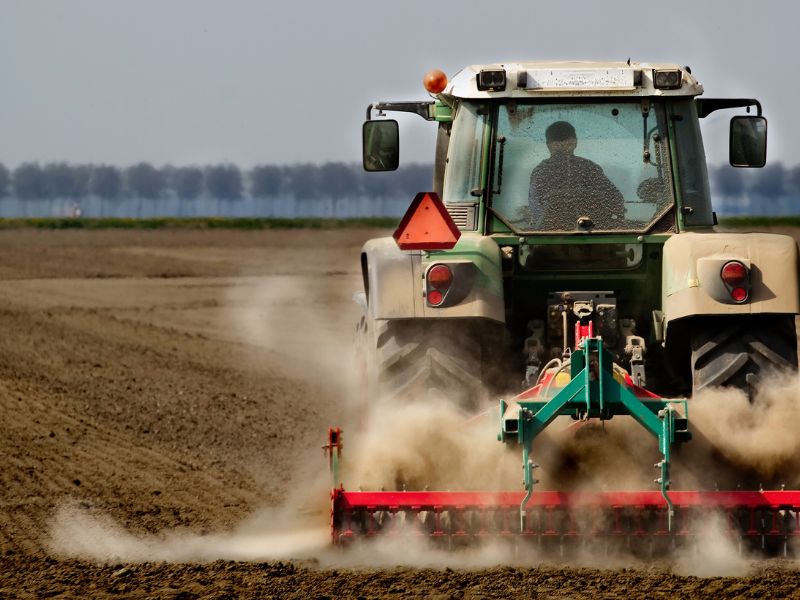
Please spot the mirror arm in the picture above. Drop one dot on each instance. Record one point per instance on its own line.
(420, 108)
(705, 106)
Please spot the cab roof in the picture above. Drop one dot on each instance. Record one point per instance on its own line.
(573, 78)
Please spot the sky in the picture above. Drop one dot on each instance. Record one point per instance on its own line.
(254, 82)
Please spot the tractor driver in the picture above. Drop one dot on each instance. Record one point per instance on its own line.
(568, 191)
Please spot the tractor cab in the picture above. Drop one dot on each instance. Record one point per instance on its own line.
(565, 148)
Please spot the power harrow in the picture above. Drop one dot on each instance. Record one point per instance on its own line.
(585, 385)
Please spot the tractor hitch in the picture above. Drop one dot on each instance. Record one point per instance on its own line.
(594, 391)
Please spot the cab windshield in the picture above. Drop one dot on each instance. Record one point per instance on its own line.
(576, 167)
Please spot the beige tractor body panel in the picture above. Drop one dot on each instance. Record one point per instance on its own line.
(396, 279)
(692, 284)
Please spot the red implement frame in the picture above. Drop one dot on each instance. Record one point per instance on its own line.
(766, 516)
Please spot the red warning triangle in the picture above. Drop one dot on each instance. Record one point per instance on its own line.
(426, 225)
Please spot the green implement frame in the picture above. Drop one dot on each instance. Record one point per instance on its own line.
(593, 392)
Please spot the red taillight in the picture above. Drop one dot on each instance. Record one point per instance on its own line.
(440, 277)
(739, 294)
(734, 273)
(435, 297)
(737, 279)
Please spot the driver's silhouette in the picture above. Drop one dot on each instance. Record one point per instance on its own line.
(569, 191)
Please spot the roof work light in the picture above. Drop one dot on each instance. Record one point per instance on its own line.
(667, 79)
(492, 80)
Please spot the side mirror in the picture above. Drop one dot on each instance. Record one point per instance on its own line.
(748, 145)
(381, 145)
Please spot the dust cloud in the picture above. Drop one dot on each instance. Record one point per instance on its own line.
(712, 551)
(416, 445)
(430, 443)
(596, 456)
(304, 323)
(749, 444)
(418, 551)
(77, 533)
(423, 444)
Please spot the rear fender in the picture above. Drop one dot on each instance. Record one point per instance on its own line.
(691, 274)
(394, 280)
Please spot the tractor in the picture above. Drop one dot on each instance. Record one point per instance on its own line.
(568, 260)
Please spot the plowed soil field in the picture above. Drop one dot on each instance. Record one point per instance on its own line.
(163, 399)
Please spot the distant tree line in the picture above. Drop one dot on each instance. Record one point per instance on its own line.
(35, 181)
(773, 181)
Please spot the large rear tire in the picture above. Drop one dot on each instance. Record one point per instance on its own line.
(429, 359)
(738, 351)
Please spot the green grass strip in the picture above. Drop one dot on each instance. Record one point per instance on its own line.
(196, 223)
(746, 222)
